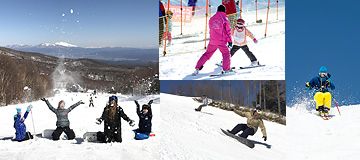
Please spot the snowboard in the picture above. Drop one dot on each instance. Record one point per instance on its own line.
(47, 133)
(90, 137)
(242, 140)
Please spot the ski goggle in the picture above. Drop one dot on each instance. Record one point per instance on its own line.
(239, 27)
(239, 23)
(259, 112)
(322, 74)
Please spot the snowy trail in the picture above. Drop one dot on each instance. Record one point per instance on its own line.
(269, 51)
(197, 135)
(310, 137)
(82, 119)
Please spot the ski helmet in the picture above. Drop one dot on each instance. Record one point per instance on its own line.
(113, 98)
(240, 21)
(258, 109)
(171, 13)
(145, 106)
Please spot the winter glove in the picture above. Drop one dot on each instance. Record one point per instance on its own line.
(43, 99)
(255, 40)
(98, 121)
(229, 44)
(136, 102)
(328, 83)
(150, 102)
(132, 123)
(307, 85)
(328, 75)
(264, 138)
(29, 108)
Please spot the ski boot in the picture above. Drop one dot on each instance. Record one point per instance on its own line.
(254, 64)
(320, 110)
(195, 72)
(227, 71)
(326, 111)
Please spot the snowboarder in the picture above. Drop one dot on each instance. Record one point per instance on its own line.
(205, 103)
(239, 33)
(112, 122)
(91, 102)
(220, 34)
(253, 122)
(321, 83)
(169, 30)
(20, 127)
(62, 123)
(145, 116)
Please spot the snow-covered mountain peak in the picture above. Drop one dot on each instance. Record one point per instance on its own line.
(65, 44)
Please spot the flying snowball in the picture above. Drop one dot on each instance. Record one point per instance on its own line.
(63, 14)
(71, 11)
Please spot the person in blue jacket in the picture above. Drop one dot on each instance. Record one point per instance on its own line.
(145, 116)
(322, 83)
(20, 127)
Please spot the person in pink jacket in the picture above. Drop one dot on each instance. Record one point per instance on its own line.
(220, 35)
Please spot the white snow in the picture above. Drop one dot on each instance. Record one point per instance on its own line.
(311, 137)
(187, 134)
(189, 47)
(82, 119)
(65, 44)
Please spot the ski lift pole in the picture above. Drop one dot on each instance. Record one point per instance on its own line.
(181, 8)
(277, 10)
(335, 102)
(301, 98)
(210, 7)
(267, 17)
(240, 8)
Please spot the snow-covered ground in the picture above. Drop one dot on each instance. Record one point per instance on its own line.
(187, 134)
(311, 137)
(186, 50)
(82, 119)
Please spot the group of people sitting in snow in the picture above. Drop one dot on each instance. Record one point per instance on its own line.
(111, 116)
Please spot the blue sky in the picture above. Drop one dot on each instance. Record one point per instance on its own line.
(323, 33)
(93, 23)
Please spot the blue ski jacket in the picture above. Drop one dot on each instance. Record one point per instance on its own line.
(145, 120)
(319, 84)
(20, 126)
(192, 2)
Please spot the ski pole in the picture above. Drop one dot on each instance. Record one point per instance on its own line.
(301, 98)
(335, 102)
(33, 122)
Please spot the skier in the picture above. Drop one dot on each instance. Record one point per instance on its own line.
(205, 103)
(112, 125)
(253, 122)
(161, 20)
(239, 33)
(145, 116)
(169, 30)
(20, 127)
(220, 34)
(62, 123)
(230, 11)
(91, 102)
(321, 83)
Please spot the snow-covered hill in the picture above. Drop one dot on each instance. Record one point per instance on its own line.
(82, 119)
(185, 51)
(187, 134)
(310, 137)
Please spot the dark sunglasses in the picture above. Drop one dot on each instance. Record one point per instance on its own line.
(239, 27)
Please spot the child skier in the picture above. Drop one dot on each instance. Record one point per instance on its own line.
(20, 127)
(205, 103)
(169, 30)
(145, 116)
(220, 34)
(62, 123)
(253, 122)
(321, 83)
(112, 125)
(239, 33)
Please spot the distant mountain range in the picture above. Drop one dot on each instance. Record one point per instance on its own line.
(112, 55)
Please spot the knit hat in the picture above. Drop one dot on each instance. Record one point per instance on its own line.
(145, 106)
(323, 69)
(18, 109)
(221, 8)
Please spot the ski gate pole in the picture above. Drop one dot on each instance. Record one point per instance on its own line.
(301, 98)
(335, 102)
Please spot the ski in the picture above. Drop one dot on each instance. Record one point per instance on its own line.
(242, 140)
(223, 74)
(248, 67)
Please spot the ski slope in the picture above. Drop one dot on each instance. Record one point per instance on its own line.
(82, 119)
(187, 134)
(310, 137)
(182, 56)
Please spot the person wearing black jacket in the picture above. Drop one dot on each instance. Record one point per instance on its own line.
(145, 116)
(111, 116)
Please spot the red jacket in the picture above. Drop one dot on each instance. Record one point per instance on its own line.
(230, 6)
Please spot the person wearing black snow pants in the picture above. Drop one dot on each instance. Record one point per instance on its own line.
(205, 103)
(242, 127)
(245, 48)
(62, 123)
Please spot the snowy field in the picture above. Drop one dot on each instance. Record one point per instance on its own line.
(186, 50)
(82, 119)
(311, 137)
(187, 134)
